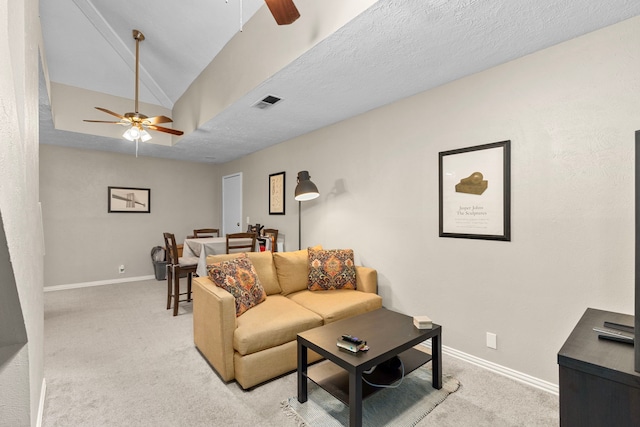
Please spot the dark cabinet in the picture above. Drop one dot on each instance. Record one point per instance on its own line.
(598, 383)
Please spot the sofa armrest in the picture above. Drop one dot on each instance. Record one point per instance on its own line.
(366, 279)
(214, 323)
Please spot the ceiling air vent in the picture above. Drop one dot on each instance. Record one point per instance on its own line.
(266, 102)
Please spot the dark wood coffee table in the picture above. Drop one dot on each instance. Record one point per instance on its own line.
(388, 334)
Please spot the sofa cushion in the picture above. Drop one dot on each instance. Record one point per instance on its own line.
(293, 269)
(239, 278)
(262, 262)
(331, 269)
(337, 304)
(276, 321)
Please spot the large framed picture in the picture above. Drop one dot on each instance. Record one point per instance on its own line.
(276, 193)
(475, 192)
(129, 200)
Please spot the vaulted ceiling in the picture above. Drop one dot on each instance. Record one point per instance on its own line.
(205, 63)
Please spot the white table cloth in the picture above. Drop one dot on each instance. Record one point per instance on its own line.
(211, 246)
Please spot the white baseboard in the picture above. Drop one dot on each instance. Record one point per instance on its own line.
(96, 283)
(499, 369)
(43, 393)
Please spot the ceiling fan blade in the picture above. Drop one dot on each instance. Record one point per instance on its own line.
(102, 121)
(110, 112)
(157, 119)
(284, 11)
(166, 130)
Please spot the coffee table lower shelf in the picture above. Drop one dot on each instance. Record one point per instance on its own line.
(335, 380)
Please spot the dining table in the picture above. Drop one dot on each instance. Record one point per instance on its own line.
(205, 246)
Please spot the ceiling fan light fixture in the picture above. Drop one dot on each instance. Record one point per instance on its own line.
(145, 136)
(132, 133)
(127, 135)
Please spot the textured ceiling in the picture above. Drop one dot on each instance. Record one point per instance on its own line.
(394, 49)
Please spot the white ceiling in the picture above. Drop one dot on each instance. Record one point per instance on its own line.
(394, 49)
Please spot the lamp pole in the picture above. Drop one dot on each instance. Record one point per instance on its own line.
(305, 190)
(299, 225)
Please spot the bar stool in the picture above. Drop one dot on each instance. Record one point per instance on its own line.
(175, 266)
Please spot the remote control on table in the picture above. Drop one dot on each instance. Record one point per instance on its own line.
(349, 338)
(619, 327)
(619, 338)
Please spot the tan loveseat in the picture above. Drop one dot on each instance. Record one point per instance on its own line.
(260, 344)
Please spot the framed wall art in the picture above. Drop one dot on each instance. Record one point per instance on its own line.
(475, 192)
(276, 193)
(129, 200)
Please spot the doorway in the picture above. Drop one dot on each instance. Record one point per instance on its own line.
(232, 203)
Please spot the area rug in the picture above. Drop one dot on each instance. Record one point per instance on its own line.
(403, 406)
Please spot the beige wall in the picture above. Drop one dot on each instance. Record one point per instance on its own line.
(84, 243)
(570, 112)
(21, 308)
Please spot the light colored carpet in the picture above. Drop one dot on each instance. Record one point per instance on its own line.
(402, 406)
(114, 356)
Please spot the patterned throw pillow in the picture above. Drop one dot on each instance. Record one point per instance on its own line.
(238, 277)
(331, 269)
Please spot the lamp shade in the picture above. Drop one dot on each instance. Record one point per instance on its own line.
(131, 134)
(145, 136)
(305, 190)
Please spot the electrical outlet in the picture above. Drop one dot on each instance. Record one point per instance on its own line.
(248, 220)
(492, 340)
(121, 269)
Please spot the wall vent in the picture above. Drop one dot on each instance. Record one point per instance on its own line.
(266, 102)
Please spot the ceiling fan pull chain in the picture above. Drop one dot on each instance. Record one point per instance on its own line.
(241, 24)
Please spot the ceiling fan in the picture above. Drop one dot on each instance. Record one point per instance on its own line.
(138, 123)
(284, 11)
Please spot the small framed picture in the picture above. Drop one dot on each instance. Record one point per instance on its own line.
(129, 200)
(276, 193)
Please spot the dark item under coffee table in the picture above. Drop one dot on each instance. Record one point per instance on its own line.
(387, 334)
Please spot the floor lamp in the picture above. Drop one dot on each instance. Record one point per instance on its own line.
(305, 190)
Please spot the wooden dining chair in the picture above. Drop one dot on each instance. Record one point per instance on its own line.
(177, 265)
(273, 234)
(206, 232)
(237, 242)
